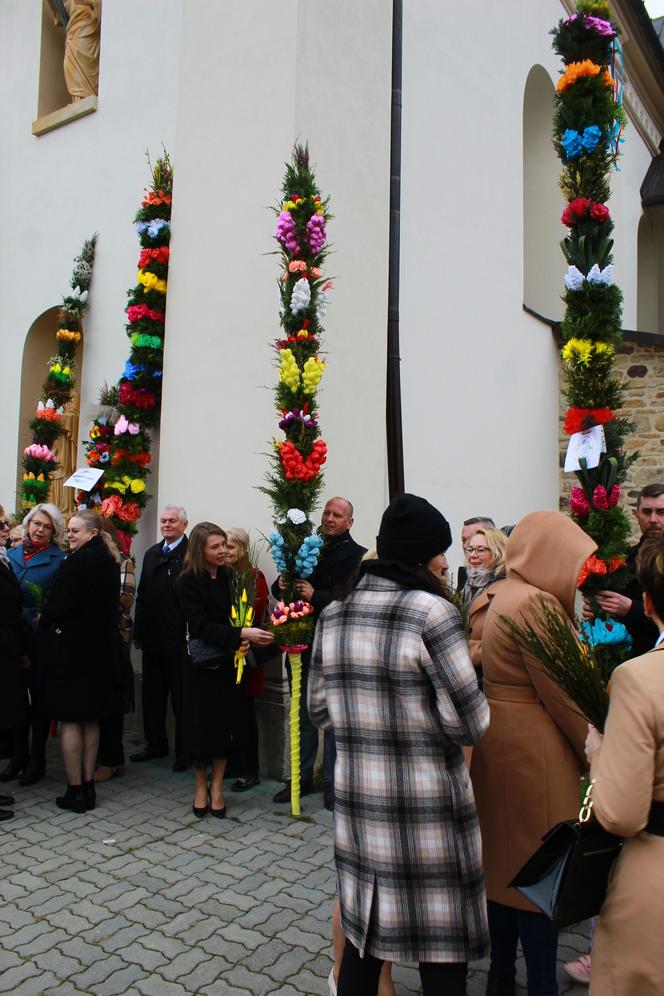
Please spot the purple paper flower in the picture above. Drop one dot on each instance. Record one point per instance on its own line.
(285, 232)
(316, 234)
(601, 27)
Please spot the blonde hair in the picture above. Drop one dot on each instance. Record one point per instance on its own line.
(496, 540)
(241, 538)
(54, 514)
(94, 523)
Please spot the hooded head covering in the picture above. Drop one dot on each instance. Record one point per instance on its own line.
(548, 550)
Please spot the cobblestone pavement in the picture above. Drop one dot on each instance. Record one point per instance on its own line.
(140, 897)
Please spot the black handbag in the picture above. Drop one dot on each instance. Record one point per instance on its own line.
(567, 877)
(202, 655)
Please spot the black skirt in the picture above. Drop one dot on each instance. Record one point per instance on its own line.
(210, 709)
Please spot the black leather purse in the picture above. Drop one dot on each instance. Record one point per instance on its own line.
(202, 655)
(567, 877)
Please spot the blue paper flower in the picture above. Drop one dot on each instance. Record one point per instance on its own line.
(592, 136)
(603, 633)
(571, 143)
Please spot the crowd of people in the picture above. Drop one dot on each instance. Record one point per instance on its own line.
(448, 753)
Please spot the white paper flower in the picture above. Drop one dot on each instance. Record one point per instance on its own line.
(300, 297)
(597, 276)
(573, 279)
(321, 305)
(296, 516)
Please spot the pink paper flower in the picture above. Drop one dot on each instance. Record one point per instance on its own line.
(578, 503)
(600, 498)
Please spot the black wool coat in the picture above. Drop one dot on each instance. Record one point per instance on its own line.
(158, 622)
(643, 630)
(339, 559)
(210, 698)
(80, 617)
(13, 644)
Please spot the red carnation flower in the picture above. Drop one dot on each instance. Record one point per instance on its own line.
(599, 212)
(580, 419)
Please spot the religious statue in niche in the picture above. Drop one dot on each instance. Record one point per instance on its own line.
(66, 451)
(82, 22)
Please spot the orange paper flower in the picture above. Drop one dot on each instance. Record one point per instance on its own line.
(66, 335)
(576, 71)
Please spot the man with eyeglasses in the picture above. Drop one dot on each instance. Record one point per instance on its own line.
(159, 634)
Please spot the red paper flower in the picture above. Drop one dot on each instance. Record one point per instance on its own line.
(124, 541)
(297, 468)
(136, 397)
(578, 503)
(580, 419)
(129, 512)
(159, 255)
(111, 506)
(599, 212)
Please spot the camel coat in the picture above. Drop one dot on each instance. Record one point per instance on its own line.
(526, 768)
(628, 955)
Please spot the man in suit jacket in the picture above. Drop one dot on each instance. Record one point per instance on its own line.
(339, 559)
(159, 633)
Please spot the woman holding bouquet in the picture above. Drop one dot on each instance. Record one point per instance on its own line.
(210, 693)
(526, 769)
(627, 767)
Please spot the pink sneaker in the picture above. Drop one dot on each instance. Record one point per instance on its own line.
(579, 970)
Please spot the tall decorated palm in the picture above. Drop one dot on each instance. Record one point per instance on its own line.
(295, 479)
(120, 444)
(587, 128)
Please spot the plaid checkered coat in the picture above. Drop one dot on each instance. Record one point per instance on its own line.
(391, 674)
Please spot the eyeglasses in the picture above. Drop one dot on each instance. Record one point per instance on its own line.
(470, 550)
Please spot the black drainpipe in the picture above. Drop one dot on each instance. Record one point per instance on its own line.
(395, 473)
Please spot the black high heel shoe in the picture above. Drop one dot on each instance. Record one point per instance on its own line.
(200, 811)
(220, 814)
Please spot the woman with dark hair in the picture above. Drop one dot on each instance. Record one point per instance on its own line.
(35, 562)
(627, 769)
(81, 618)
(391, 674)
(210, 694)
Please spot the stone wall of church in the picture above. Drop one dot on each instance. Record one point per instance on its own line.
(641, 369)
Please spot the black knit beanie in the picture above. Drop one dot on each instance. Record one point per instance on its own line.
(412, 531)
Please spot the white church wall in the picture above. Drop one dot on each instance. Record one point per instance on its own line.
(87, 176)
(240, 109)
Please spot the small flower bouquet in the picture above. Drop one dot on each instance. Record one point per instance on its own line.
(580, 666)
(243, 592)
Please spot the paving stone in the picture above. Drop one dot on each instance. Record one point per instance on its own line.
(13, 980)
(147, 958)
(289, 964)
(54, 961)
(98, 972)
(83, 951)
(120, 982)
(154, 985)
(183, 964)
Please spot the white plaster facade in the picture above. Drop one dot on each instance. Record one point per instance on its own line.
(228, 88)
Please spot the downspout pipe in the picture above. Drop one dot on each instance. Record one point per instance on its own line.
(394, 435)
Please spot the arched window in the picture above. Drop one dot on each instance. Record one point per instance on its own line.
(543, 263)
(650, 271)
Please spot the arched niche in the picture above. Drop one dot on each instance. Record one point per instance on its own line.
(650, 271)
(543, 263)
(40, 346)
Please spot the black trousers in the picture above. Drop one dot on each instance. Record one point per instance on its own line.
(245, 739)
(111, 749)
(36, 721)
(359, 976)
(539, 940)
(162, 676)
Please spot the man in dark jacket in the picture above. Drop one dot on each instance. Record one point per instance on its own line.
(159, 633)
(628, 605)
(339, 558)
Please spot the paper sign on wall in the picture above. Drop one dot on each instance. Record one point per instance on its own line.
(587, 445)
(84, 478)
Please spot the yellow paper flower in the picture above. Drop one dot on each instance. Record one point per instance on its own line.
(580, 351)
(137, 485)
(289, 372)
(311, 374)
(151, 282)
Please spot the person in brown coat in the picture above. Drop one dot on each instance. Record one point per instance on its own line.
(628, 772)
(526, 769)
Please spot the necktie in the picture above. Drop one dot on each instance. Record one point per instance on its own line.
(166, 549)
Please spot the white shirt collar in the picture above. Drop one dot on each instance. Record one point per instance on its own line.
(172, 546)
(659, 639)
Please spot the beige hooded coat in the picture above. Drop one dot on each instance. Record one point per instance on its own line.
(526, 768)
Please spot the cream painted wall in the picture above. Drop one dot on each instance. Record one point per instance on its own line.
(241, 107)
(87, 176)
